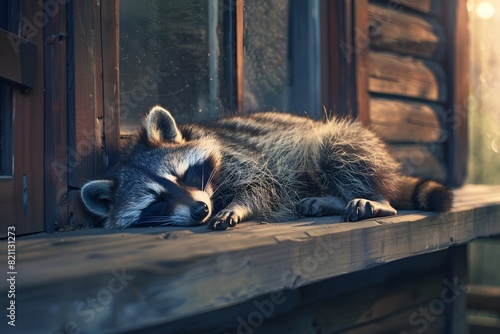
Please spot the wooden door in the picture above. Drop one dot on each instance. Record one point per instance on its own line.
(22, 119)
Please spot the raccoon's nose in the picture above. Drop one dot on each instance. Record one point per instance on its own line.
(199, 211)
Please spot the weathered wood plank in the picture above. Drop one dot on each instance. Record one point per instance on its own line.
(85, 88)
(457, 67)
(56, 121)
(421, 161)
(110, 78)
(405, 121)
(405, 76)
(392, 29)
(361, 26)
(94, 123)
(114, 280)
(383, 308)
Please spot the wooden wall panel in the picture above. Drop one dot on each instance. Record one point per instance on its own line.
(398, 120)
(422, 161)
(407, 77)
(56, 121)
(94, 92)
(109, 17)
(457, 66)
(393, 29)
(85, 124)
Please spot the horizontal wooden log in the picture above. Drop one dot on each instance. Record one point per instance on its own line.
(432, 7)
(421, 161)
(483, 297)
(483, 325)
(112, 281)
(405, 121)
(409, 34)
(406, 76)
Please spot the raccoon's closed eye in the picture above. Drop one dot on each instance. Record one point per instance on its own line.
(198, 175)
(159, 197)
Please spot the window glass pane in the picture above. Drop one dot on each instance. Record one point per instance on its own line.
(282, 56)
(266, 43)
(171, 54)
(4, 17)
(7, 22)
(6, 157)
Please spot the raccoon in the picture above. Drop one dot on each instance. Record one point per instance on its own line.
(267, 165)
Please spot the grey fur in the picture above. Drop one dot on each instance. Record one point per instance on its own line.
(270, 165)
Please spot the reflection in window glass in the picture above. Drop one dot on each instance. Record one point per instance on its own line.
(171, 54)
(282, 56)
(266, 55)
(6, 157)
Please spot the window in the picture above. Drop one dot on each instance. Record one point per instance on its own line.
(183, 55)
(6, 154)
(172, 53)
(6, 157)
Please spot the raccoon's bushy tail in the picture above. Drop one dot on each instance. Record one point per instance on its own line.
(423, 194)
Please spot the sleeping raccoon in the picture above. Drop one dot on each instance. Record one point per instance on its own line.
(270, 165)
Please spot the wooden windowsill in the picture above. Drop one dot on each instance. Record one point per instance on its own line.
(158, 275)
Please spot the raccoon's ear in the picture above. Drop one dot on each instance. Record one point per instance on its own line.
(160, 126)
(97, 196)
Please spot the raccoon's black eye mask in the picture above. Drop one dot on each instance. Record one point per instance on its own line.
(170, 187)
(197, 176)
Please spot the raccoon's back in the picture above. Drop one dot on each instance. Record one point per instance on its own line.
(268, 134)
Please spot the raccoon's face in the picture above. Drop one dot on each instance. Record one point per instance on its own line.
(164, 181)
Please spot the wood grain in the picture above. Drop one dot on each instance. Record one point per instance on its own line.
(406, 121)
(171, 273)
(457, 67)
(406, 76)
(422, 161)
(394, 30)
(56, 121)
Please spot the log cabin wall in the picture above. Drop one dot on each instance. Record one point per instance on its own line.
(408, 83)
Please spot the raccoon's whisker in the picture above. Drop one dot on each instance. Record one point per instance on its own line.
(210, 177)
(216, 189)
(155, 221)
(203, 176)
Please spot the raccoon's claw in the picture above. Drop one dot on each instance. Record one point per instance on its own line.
(360, 208)
(321, 206)
(223, 220)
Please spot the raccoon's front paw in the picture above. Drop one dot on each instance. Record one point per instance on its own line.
(224, 219)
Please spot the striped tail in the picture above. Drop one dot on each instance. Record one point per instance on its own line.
(423, 194)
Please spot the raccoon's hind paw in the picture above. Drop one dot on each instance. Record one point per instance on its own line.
(223, 220)
(360, 208)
